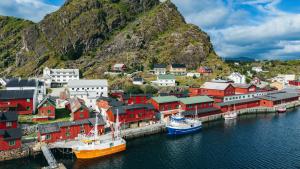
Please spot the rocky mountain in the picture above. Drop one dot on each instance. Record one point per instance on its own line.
(94, 34)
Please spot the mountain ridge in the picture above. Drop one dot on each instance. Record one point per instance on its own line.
(94, 34)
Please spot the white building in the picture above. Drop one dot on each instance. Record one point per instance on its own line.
(59, 77)
(160, 69)
(192, 74)
(237, 78)
(257, 69)
(88, 90)
(284, 78)
(138, 81)
(165, 80)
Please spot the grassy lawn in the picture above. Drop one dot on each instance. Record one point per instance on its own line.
(61, 115)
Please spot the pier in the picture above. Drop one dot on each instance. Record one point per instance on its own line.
(50, 159)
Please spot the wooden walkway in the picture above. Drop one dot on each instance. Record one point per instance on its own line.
(50, 159)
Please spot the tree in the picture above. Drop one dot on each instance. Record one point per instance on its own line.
(150, 89)
(133, 89)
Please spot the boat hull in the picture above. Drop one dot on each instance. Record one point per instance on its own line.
(176, 131)
(89, 154)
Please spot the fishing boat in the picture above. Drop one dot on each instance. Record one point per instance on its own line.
(94, 146)
(231, 115)
(180, 125)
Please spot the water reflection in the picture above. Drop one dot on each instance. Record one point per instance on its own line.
(230, 123)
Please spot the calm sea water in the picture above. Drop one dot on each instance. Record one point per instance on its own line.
(254, 142)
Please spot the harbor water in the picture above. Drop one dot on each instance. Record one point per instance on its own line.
(252, 141)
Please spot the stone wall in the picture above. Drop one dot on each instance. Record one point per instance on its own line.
(14, 154)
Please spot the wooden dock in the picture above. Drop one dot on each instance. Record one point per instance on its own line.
(50, 159)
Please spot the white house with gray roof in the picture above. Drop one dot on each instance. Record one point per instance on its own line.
(59, 77)
(88, 90)
(236, 77)
(165, 80)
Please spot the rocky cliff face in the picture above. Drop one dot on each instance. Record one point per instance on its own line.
(93, 34)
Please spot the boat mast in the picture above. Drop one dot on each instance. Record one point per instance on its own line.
(196, 112)
(96, 127)
(117, 124)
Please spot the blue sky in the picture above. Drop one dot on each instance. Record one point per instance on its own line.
(268, 29)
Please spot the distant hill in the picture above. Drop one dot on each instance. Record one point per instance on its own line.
(94, 34)
(239, 59)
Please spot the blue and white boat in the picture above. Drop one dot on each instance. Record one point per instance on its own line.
(180, 125)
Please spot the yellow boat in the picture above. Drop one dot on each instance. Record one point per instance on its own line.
(103, 149)
(98, 146)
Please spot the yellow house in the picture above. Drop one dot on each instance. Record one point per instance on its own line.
(277, 85)
(178, 69)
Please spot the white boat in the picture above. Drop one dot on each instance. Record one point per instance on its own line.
(281, 110)
(94, 146)
(231, 115)
(179, 125)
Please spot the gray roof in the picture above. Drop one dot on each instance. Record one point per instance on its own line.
(199, 111)
(238, 101)
(87, 83)
(111, 101)
(55, 127)
(159, 66)
(16, 94)
(11, 134)
(122, 109)
(215, 85)
(279, 96)
(240, 85)
(15, 82)
(8, 116)
(178, 66)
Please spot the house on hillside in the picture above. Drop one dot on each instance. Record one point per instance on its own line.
(167, 80)
(160, 69)
(204, 70)
(178, 69)
(119, 67)
(257, 69)
(237, 78)
(137, 81)
(59, 77)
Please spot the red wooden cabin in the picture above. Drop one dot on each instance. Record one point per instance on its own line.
(137, 113)
(275, 99)
(20, 101)
(244, 88)
(10, 134)
(294, 83)
(78, 109)
(46, 108)
(53, 132)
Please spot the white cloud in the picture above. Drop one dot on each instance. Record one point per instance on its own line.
(33, 10)
(235, 31)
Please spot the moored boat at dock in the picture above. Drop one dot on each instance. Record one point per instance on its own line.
(281, 110)
(180, 125)
(95, 146)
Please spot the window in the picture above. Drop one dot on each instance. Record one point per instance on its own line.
(131, 115)
(12, 143)
(48, 137)
(9, 124)
(45, 105)
(27, 100)
(140, 114)
(28, 108)
(49, 111)
(81, 115)
(81, 129)
(67, 134)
